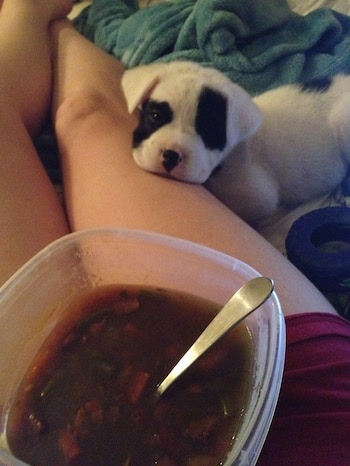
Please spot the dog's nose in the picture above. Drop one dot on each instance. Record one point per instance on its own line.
(171, 159)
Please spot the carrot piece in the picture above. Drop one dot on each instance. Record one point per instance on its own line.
(138, 384)
(127, 304)
(132, 331)
(212, 360)
(69, 445)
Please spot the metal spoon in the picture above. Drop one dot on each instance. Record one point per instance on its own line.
(246, 300)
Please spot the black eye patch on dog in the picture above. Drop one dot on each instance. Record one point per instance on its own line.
(210, 121)
(153, 116)
(317, 85)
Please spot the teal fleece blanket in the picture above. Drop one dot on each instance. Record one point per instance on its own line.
(259, 44)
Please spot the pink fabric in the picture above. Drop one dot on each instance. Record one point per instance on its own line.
(311, 426)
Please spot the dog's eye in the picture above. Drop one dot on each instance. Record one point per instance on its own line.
(150, 110)
(155, 115)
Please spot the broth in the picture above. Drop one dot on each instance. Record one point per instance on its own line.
(88, 397)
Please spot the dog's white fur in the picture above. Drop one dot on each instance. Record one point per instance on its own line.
(284, 147)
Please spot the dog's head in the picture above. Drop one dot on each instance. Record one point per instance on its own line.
(191, 118)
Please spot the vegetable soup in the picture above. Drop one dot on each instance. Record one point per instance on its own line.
(88, 398)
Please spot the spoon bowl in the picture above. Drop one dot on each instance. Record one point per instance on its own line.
(246, 300)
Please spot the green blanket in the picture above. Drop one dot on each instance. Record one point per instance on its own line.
(259, 44)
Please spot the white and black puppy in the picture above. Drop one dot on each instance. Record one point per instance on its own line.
(284, 147)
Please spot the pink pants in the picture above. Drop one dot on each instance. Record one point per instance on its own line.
(312, 420)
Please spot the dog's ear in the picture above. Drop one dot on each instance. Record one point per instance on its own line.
(244, 116)
(138, 83)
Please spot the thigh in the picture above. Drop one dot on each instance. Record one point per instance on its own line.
(30, 213)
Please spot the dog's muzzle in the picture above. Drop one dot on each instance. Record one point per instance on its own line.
(171, 159)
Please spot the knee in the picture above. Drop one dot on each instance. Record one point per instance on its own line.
(77, 109)
(86, 112)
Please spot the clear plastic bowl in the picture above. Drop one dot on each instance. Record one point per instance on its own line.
(32, 301)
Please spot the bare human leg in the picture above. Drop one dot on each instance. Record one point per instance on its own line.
(30, 213)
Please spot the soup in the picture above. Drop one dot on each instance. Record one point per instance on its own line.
(88, 398)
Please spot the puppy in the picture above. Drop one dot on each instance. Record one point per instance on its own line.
(284, 147)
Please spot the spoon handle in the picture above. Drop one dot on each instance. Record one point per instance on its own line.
(246, 300)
